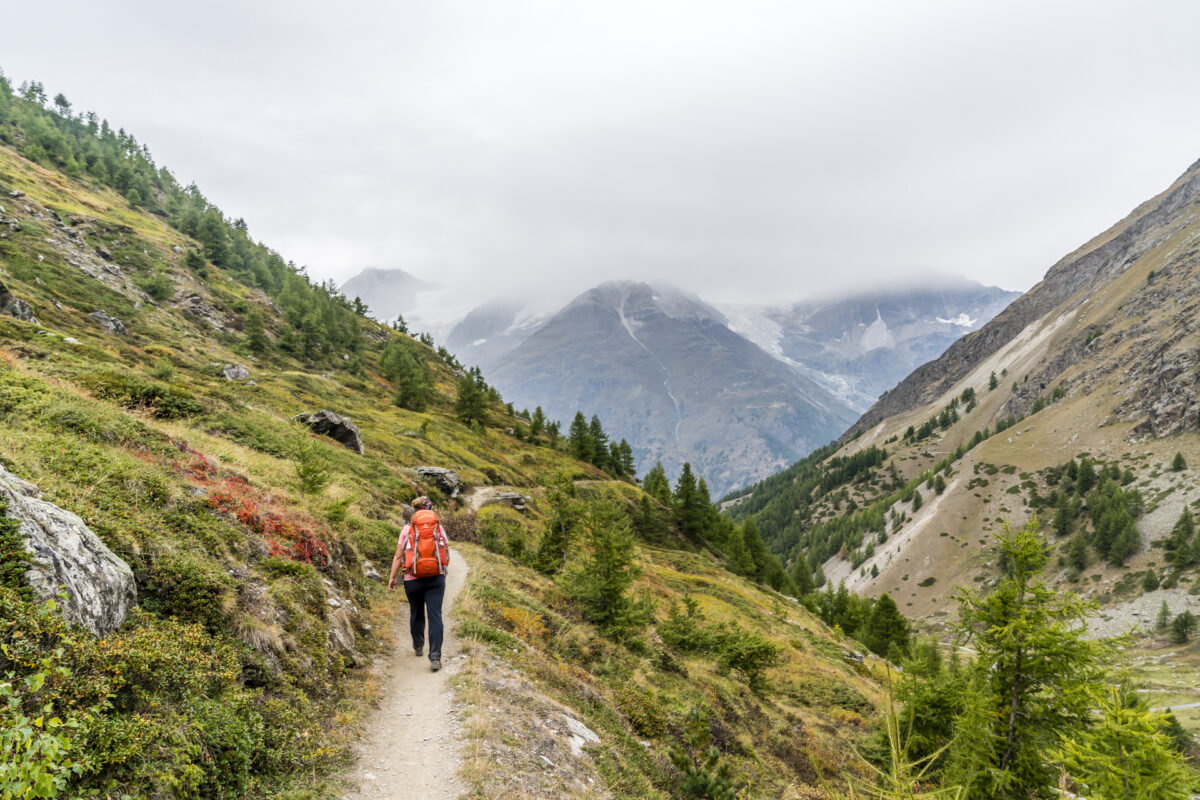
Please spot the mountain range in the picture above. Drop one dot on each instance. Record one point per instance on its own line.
(739, 391)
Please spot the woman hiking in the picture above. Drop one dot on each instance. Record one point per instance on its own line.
(423, 553)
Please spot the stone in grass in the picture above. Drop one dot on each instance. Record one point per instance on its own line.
(336, 427)
(64, 554)
(446, 480)
(14, 306)
(236, 372)
(109, 323)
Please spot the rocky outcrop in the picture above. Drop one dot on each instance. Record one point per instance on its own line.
(14, 306)
(65, 554)
(446, 480)
(236, 372)
(336, 427)
(109, 323)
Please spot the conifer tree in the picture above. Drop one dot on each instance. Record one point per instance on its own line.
(537, 423)
(1062, 516)
(471, 404)
(579, 439)
(560, 523)
(1125, 753)
(740, 560)
(1182, 627)
(256, 331)
(886, 627)
(628, 466)
(1031, 681)
(656, 485)
(1164, 617)
(689, 511)
(603, 571)
(704, 775)
(408, 373)
(1077, 553)
(801, 574)
(599, 440)
(1179, 463)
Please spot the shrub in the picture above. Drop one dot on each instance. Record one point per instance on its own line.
(750, 654)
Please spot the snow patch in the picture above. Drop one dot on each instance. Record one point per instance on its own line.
(962, 320)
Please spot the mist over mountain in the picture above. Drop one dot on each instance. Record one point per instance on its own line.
(388, 293)
(860, 345)
(834, 354)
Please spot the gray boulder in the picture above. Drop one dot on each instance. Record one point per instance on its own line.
(65, 554)
(14, 306)
(445, 479)
(336, 427)
(109, 323)
(236, 372)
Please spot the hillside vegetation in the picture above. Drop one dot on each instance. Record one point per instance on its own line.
(256, 544)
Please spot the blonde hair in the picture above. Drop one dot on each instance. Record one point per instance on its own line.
(421, 502)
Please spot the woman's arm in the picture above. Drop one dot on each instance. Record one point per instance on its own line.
(398, 559)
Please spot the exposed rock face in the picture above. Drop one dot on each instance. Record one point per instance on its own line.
(64, 552)
(445, 479)
(1068, 286)
(15, 307)
(236, 372)
(110, 323)
(336, 427)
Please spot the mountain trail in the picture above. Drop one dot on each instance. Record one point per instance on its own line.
(411, 746)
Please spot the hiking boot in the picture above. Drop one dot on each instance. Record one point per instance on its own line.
(417, 650)
(435, 664)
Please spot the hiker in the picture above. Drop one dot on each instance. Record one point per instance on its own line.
(423, 552)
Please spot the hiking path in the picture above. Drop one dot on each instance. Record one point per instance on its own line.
(410, 747)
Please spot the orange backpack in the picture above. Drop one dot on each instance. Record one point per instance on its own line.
(426, 554)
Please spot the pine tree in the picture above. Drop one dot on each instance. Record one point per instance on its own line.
(470, 406)
(408, 372)
(1031, 681)
(1164, 617)
(628, 466)
(1179, 544)
(1077, 553)
(740, 560)
(1125, 753)
(603, 571)
(886, 627)
(1179, 463)
(801, 574)
(537, 423)
(689, 512)
(600, 452)
(704, 775)
(1182, 627)
(561, 521)
(656, 485)
(1062, 516)
(579, 439)
(256, 332)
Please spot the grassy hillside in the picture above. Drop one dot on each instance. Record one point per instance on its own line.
(241, 673)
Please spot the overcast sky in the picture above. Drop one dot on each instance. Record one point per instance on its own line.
(749, 151)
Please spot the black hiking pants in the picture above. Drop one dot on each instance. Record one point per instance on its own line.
(425, 597)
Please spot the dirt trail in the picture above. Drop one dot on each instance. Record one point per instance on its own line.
(410, 748)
